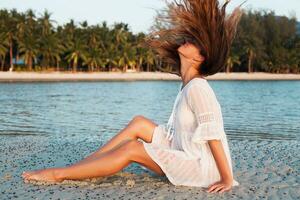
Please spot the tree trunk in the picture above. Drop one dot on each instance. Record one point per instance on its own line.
(3, 62)
(125, 68)
(57, 65)
(30, 64)
(227, 68)
(17, 57)
(11, 57)
(74, 66)
(250, 61)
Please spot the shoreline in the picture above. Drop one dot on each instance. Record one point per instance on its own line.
(132, 76)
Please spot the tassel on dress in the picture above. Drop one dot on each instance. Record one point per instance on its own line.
(170, 124)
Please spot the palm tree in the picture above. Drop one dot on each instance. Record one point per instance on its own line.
(127, 55)
(106, 45)
(110, 56)
(141, 53)
(234, 59)
(251, 55)
(27, 42)
(93, 59)
(50, 50)
(122, 46)
(140, 58)
(10, 36)
(93, 54)
(46, 23)
(20, 34)
(4, 43)
(76, 51)
(150, 59)
(29, 49)
(9, 23)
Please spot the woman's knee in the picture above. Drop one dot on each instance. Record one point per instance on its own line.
(139, 122)
(131, 148)
(143, 127)
(143, 122)
(138, 119)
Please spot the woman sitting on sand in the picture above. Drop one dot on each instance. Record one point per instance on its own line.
(192, 148)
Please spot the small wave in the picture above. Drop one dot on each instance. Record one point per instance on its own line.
(237, 135)
(21, 133)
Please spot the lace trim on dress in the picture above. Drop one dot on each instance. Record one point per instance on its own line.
(206, 117)
(207, 129)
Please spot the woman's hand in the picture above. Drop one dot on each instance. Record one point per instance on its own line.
(226, 181)
(221, 186)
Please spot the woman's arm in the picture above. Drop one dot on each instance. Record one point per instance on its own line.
(226, 181)
(204, 104)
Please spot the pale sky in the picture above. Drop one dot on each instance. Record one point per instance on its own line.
(138, 14)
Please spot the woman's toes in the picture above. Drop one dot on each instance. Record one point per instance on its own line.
(41, 175)
(28, 174)
(24, 174)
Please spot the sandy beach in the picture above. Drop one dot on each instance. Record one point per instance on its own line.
(264, 170)
(118, 76)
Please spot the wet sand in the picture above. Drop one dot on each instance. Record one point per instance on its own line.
(265, 170)
(129, 76)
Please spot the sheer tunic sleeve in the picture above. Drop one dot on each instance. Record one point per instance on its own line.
(206, 109)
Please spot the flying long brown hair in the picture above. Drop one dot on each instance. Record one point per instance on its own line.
(200, 22)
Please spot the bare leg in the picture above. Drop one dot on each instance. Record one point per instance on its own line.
(106, 164)
(138, 127)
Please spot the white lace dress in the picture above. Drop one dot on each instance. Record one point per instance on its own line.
(180, 147)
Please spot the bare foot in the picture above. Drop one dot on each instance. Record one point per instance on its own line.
(48, 175)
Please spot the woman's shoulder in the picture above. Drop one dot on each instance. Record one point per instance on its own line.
(200, 88)
(198, 85)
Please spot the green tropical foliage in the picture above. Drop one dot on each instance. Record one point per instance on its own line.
(264, 42)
